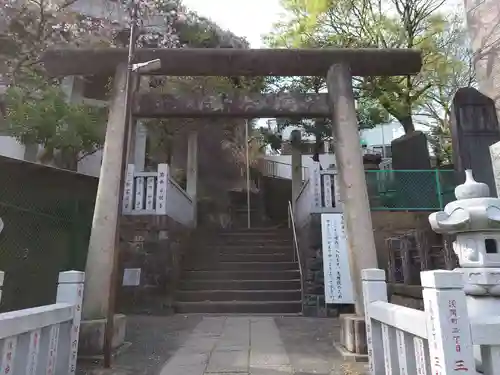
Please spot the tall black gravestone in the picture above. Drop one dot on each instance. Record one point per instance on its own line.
(474, 128)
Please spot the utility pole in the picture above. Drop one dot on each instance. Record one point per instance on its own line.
(247, 152)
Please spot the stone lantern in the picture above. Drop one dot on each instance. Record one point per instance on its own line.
(475, 220)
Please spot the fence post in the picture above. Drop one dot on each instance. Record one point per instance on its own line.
(128, 192)
(2, 277)
(374, 289)
(439, 191)
(70, 290)
(448, 326)
(315, 180)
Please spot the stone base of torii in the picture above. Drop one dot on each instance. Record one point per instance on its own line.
(337, 65)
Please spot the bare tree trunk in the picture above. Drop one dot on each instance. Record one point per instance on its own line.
(407, 123)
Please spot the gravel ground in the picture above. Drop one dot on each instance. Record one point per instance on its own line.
(154, 339)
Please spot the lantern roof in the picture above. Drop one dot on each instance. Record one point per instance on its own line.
(473, 211)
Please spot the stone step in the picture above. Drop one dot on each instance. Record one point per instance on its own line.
(236, 307)
(264, 232)
(239, 284)
(265, 229)
(242, 266)
(254, 240)
(238, 295)
(212, 259)
(242, 275)
(242, 249)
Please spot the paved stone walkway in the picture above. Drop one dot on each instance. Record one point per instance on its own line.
(231, 345)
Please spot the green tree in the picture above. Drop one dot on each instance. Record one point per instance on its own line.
(373, 23)
(36, 111)
(457, 73)
(30, 27)
(69, 132)
(369, 112)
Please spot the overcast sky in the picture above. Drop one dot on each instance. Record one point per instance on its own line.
(252, 18)
(247, 18)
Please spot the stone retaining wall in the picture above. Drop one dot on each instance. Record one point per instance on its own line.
(156, 245)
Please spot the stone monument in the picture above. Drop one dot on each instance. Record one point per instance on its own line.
(474, 127)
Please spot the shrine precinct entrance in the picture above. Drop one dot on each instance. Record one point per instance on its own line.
(337, 65)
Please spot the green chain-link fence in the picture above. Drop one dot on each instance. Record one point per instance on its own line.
(410, 190)
(47, 215)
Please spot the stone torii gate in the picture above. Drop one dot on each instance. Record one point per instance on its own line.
(337, 65)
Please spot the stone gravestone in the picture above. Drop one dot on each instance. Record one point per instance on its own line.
(411, 152)
(474, 128)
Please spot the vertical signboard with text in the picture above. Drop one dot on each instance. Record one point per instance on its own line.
(338, 284)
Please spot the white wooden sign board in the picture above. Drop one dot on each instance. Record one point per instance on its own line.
(338, 283)
(131, 277)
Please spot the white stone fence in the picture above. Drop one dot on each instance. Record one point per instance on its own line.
(44, 340)
(156, 193)
(278, 169)
(438, 340)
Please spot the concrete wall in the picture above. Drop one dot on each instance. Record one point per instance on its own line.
(11, 148)
(91, 164)
(324, 159)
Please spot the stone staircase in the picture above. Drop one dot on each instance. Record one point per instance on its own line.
(245, 271)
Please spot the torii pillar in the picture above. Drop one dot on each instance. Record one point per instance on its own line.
(354, 195)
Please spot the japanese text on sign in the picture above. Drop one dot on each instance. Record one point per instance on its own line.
(338, 285)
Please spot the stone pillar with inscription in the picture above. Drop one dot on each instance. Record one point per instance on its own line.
(475, 218)
(474, 128)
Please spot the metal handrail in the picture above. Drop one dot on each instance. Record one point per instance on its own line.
(296, 252)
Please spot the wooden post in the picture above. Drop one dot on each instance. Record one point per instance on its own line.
(374, 289)
(352, 177)
(406, 259)
(102, 244)
(192, 172)
(70, 290)
(449, 337)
